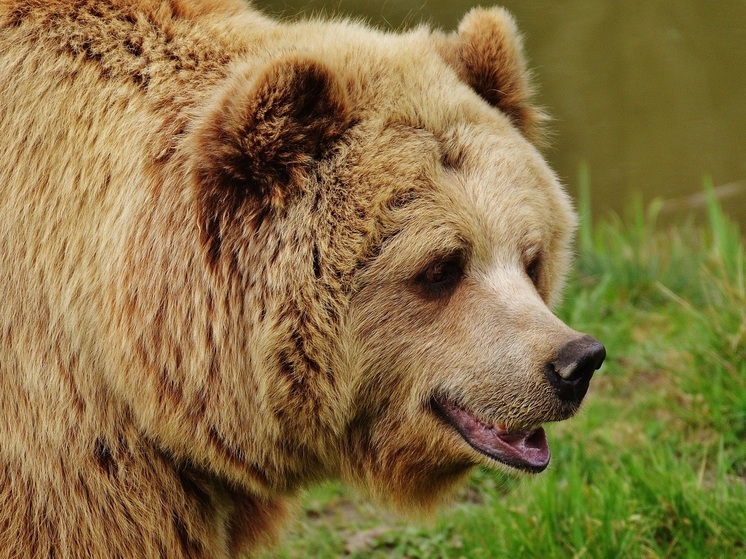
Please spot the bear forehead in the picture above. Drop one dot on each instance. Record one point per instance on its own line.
(489, 171)
(396, 77)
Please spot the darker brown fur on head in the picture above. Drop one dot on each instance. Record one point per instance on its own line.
(261, 138)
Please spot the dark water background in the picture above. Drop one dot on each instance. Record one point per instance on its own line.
(649, 94)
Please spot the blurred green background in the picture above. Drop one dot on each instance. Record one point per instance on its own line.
(649, 94)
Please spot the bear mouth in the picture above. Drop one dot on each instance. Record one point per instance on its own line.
(523, 449)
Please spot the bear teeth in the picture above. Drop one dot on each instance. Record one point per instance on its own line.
(517, 429)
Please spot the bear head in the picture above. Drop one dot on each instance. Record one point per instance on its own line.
(376, 207)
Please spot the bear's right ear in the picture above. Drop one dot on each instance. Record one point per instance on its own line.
(262, 135)
(487, 54)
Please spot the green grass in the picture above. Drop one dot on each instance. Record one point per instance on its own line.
(653, 467)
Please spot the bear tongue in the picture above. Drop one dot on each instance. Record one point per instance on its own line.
(527, 451)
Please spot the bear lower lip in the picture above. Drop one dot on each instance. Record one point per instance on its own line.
(523, 450)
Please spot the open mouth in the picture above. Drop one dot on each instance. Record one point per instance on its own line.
(525, 450)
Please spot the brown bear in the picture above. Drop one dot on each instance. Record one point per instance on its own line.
(241, 256)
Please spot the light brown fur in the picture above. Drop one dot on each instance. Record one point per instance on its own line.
(211, 228)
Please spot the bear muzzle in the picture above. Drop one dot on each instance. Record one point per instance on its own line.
(524, 447)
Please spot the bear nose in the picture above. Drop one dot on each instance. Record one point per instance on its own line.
(570, 373)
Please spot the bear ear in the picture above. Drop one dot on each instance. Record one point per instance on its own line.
(487, 53)
(263, 134)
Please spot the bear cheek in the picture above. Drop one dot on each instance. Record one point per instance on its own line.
(403, 457)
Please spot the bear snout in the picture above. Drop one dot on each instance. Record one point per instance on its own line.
(571, 371)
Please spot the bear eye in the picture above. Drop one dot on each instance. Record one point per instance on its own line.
(533, 270)
(440, 277)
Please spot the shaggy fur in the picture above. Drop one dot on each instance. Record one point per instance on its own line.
(214, 232)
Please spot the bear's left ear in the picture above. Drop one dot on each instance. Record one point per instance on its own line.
(487, 54)
(262, 135)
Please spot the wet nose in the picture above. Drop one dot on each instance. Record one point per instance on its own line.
(571, 371)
